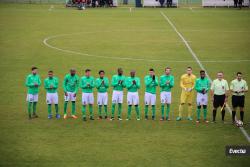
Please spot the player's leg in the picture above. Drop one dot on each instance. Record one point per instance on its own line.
(91, 102)
(146, 101)
(169, 100)
(84, 104)
(153, 102)
(29, 100)
(215, 106)
(242, 104)
(234, 104)
(49, 101)
(223, 112)
(55, 101)
(105, 102)
(183, 101)
(205, 113)
(163, 102)
(136, 103)
(35, 100)
(66, 100)
(198, 110)
(114, 102)
(99, 102)
(129, 102)
(190, 106)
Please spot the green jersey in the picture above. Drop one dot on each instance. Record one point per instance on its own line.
(202, 84)
(87, 84)
(166, 87)
(151, 84)
(51, 84)
(31, 82)
(131, 86)
(118, 82)
(71, 83)
(102, 84)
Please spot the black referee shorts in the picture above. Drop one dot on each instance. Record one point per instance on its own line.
(238, 101)
(219, 100)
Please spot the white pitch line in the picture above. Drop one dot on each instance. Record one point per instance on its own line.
(45, 41)
(244, 132)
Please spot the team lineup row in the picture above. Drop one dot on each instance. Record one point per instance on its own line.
(219, 89)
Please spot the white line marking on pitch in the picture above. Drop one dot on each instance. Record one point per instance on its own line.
(200, 64)
(45, 41)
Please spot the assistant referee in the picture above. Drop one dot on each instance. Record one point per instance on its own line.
(238, 88)
(219, 94)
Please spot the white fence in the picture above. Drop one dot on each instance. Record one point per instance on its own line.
(155, 3)
(221, 3)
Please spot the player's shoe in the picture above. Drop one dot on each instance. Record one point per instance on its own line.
(127, 119)
(213, 122)
(35, 116)
(74, 116)
(153, 118)
(58, 116)
(190, 118)
(100, 117)
(49, 116)
(162, 119)
(197, 121)
(119, 118)
(138, 119)
(106, 117)
(146, 117)
(167, 118)
(29, 117)
(178, 118)
(84, 119)
(206, 121)
(112, 118)
(91, 118)
(65, 116)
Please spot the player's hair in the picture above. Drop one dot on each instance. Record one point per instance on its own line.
(119, 68)
(87, 70)
(50, 71)
(201, 71)
(151, 69)
(239, 73)
(101, 71)
(33, 68)
(168, 68)
(220, 72)
(189, 67)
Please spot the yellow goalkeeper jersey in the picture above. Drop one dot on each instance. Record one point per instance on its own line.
(187, 81)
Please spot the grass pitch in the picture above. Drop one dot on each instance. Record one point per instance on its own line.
(108, 39)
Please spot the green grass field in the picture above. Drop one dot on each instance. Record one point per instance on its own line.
(217, 36)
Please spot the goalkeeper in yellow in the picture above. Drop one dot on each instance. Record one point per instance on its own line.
(187, 84)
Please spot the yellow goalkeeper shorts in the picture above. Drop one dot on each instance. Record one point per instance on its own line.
(187, 97)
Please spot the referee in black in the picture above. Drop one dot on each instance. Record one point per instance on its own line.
(219, 94)
(238, 88)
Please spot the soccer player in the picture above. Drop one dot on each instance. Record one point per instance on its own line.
(87, 84)
(70, 87)
(151, 82)
(32, 82)
(238, 88)
(187, 84)
(166, 84)
(102, 85)
(51, 85)
(202, 86)
(133, 84)
(118, 83)
(219, 94)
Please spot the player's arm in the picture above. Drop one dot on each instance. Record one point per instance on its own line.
(171, 83)
(28, 82)
(197, 87)
(114, 81)
(129, 83)
(147, 80)
(162, 82)
(181, 83)
(106, 83)
(138, 84)
(56, 83)
(246, 87)
(46, 85)
(77, 85)
(39, 81)
(156, 81)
